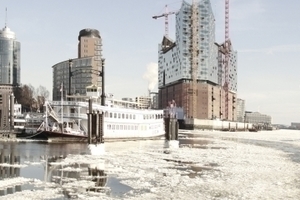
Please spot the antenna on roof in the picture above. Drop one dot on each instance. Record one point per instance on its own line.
(5, 17)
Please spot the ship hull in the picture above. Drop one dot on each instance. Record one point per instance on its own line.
(50, 136)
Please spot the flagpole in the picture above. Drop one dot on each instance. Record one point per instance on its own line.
(62, 99)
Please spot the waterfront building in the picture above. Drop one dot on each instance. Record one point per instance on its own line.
(6, 109)
(9, 58)
(175, 67)
(257, 118)
(74, 75)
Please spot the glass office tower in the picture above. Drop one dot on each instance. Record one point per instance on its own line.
(9, 58)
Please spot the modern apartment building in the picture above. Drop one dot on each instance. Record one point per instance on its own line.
(74, 75)
(9, 58)
(175, 66)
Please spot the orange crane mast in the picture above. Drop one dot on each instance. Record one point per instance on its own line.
(166, 14)
(227, 47)
(195, 56)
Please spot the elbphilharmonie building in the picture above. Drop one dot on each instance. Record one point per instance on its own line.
(175, 66)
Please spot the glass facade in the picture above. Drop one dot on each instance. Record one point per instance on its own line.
(175, 64)
(83, 75)
(9, 58)
(175, 57)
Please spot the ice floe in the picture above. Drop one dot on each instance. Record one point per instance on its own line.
(208, 165)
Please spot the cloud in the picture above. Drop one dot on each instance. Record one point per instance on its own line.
(151, 75)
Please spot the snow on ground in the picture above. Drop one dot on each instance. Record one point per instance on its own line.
(221, 165)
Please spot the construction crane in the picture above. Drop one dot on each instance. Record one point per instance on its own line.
(195, 55)
(227, 47)
(166, 14)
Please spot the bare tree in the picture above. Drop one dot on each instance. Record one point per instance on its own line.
(26, 97)
(42, 94)
(30, 98)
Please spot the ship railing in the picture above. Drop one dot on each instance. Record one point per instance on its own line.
(68, 103)
(75, 115)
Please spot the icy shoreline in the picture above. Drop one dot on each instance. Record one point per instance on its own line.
(221, 165)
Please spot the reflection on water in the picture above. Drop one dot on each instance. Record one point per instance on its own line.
(8, 161)
(24, 163)
(68, 176)
(212, 167)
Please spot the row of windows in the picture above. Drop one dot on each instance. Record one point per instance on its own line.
(132, 116)
(130, 127)
(122, 127)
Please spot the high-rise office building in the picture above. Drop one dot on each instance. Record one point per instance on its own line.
(240, 108)
(9, 58)
(175, 66)
(74, 75)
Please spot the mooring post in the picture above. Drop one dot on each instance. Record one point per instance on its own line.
(95, 130)
(89, 123)
(100, 128)
(11, 110)
(171, 126)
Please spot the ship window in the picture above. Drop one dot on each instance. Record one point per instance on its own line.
(108, 126)
(123, 116)
(121, 127)
(106, 114)
(130, 116)
(126, 116)
(110, 115)
(125, 127)
(115, 115)
(133, 116)
(113, 127)
(117, 127)
(119, 115)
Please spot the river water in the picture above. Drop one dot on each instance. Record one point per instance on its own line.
(207, 165)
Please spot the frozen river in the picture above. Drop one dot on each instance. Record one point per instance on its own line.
(208, 165)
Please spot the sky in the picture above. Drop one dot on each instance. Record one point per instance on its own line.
(265, 33)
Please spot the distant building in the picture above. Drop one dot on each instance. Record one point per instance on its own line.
(10, 71)
(144, 102)
(240, 110)
(127, 99)
(257, 118)
(295, 125)
(84, 70)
